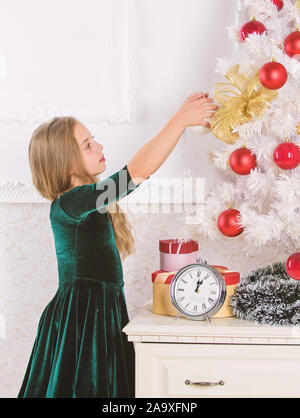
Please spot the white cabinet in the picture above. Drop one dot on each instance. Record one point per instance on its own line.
(225, 358)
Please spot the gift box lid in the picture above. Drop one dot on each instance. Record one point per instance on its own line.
(165, 277)
(220, 267)
(230, 276)
(162, 276)
(176, 246)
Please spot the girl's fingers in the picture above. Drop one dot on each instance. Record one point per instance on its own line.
(206, 124)
(198, 93)
(205, 100)
(209, 114)
(211, 107)
(194, 96)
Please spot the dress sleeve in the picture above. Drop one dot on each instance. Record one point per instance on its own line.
(80, 201)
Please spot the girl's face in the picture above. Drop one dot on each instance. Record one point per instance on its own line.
(91, 151)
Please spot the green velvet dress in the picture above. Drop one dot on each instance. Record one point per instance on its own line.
(80, 349)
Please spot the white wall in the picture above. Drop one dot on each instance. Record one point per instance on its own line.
(173, 50)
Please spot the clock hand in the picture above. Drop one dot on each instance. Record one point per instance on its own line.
(198, 284)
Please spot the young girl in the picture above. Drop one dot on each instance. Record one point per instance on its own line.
(80, 349)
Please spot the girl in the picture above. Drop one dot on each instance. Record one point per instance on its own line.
(80, 349)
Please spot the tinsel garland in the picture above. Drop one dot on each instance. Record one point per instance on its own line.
(268, 296)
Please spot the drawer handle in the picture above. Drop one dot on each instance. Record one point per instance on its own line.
(221, 383)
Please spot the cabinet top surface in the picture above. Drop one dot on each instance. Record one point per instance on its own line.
(148, 323)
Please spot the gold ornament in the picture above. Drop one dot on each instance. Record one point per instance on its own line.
(240, 106)
(298, 129)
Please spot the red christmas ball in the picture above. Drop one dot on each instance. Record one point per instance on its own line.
(292, 266)
(253, 26)
(227, 223)
(287, 155)
(273, 75)
(292, 44)
(242, 161)
(278, 3)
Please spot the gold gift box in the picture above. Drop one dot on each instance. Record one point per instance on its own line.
(162, 303)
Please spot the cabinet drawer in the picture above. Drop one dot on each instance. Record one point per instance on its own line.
(246, 370)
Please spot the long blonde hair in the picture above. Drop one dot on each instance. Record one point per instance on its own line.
(53, 155)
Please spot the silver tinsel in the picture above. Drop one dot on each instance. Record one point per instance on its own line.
(268, 296)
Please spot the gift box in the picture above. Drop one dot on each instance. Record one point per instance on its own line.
(162, 303)
(175, 254)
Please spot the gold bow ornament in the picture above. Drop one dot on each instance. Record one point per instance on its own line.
(241, 100)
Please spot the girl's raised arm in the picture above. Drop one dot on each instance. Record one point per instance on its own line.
(195, 109)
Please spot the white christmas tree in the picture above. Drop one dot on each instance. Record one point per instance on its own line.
(259, 110)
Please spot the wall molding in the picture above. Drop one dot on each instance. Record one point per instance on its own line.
(116, 108)
(155, 190)
(18, 192)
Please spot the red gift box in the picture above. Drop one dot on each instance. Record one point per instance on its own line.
(175, 246)
(176, 253)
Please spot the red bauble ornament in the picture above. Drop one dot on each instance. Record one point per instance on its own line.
(273, 75)
(287, 155)
(292, 44)
(292, 266)
(242, 161)
(227, 223)
(253, 26)
(278, 3)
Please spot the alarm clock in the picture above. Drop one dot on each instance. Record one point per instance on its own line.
(198, 291)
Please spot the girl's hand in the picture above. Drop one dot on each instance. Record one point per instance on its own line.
(197, 95)
(195, 109)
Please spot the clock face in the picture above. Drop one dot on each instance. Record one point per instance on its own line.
(198, 291)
